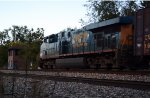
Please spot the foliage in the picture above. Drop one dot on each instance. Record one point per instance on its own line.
(99, 10)
(4, 37)
(22, 36)
(30, 52)
(3, 55)
(105, 9)
(129, 8)
(145, 4)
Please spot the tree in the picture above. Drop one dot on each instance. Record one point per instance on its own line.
(35, 35)
(29, 39)
(129, 8)
(4, 37)
(24, 34)
(106, 10)
(145, 4)
(99, 10)
(30, 52)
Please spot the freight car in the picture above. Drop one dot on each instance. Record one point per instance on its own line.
(114, 43)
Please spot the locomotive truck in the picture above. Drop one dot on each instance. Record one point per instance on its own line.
(122, 42)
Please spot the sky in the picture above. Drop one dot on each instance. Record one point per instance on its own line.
(52, 15)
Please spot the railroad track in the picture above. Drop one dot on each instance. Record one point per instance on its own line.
(130, 72)
(139, 85)
(107, 82)
(112, 75)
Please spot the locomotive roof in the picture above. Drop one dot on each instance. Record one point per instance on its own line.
(118, 20)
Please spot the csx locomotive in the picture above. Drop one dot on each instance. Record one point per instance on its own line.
(122, 42)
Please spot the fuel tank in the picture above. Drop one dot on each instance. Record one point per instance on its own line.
(71, 63)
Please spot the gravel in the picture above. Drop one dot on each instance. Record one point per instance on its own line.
(34, 88)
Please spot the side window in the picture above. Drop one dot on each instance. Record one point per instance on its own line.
(114, 41)
(53, 38)
(106, 41)
(50, 40)
(109, 41)
(45, 40)
(100, 40)
(16, 52)
(62, 34)
(45, 52)
(56, 38)
(69, 34)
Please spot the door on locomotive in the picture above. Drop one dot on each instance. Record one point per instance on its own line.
(106, 44)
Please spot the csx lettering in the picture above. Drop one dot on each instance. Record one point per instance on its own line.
(80, 40)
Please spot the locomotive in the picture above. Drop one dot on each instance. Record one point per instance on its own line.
(122, 42)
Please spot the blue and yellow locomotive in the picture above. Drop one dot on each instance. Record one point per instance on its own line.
(114, 43)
